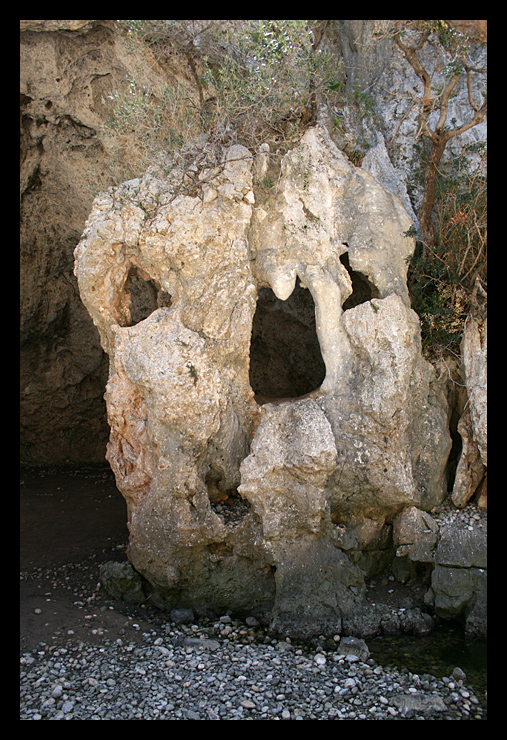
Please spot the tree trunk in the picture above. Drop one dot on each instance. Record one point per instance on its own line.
(426, 227)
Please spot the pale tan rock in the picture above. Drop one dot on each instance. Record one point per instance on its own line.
(475, 362)
(470, 469)
(399, 457)
(283, 478)
(322, 208)
(186, 433)
(473, 424)
(179, 401)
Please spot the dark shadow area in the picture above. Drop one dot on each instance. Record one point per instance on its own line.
(455, 453)
(285, 356)
(66, 513)
(363, 290)
(71, 520)
(145, 296)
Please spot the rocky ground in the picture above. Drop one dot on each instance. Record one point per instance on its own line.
(86, 656)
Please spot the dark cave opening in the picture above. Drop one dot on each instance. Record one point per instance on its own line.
(363, 290)
(456, 448)
(144, 296)
(285, 356)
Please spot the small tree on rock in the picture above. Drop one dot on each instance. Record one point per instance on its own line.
(411, 37)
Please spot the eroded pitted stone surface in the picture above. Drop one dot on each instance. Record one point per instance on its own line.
(472, 427)
(186, 431)
(292, 455)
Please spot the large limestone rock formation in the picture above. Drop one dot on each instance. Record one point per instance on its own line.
(238, 501)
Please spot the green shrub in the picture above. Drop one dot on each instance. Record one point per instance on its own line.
(247, 81)
(145, 121)
(442, 281)
(270, 79)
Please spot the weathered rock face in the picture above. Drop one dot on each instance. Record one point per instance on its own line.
(284, 479)
(186, 430)
(472, 427)
(68, 69)
(457, 554)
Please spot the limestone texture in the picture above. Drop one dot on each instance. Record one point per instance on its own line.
(473, 425)
(415, 535)
(68, 72)
(190, 443)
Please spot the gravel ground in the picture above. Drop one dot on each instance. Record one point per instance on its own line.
(221, 670)
(85, 656)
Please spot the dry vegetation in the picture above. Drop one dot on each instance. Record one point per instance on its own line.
(260, 81)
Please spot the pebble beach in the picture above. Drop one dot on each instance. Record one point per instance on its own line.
(84, 655)
(226, 670)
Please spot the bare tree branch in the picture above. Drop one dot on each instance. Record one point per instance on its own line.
(427, 104)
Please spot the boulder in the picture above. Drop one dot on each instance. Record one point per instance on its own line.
(353, 646)
(452, 591)
(235, 502)
(415, 535)
(476, 611)
(283, 478)
(416, 622)
(462, 548)
(291, 457)
(316, 585)
(410, 704)
(122, 582)
(459, 580)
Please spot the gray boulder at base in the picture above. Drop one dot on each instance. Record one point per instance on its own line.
(353, 646)
(186, 429)
(409, 704)
(459, 580)
(121, 581)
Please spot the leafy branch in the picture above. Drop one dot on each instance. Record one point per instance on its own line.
(245, 82)
(442, 280)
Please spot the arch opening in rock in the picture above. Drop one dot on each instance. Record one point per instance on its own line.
(142, 296)
(363, 290)
(285, 356)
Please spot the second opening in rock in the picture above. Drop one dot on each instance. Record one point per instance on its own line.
(285, 356)
(363, 289)
(145, 296)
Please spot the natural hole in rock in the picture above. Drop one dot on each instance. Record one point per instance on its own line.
(226, 502)
(363, 290)
(143, 297)
(456, 449)
(285, 356)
